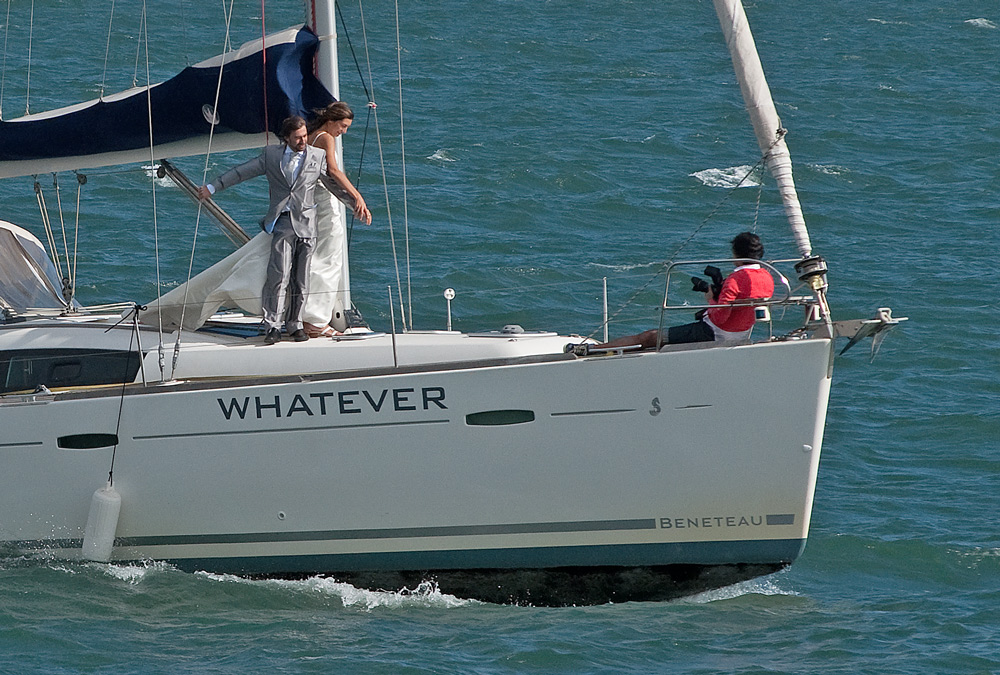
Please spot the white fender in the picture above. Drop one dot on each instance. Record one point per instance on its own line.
(102, 522)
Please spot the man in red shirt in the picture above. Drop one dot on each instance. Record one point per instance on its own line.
(724, 321)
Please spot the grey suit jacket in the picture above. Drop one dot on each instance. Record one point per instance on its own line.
(299, 198)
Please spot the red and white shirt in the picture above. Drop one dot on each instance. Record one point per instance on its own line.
(745, 283)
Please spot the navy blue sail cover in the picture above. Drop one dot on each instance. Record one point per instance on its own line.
(181, 107)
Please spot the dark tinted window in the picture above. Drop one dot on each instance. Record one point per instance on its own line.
(25, 369)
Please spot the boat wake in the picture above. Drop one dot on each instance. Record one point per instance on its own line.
(760, 586)
(425, 594)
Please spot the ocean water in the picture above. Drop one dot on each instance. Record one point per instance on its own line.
(549, 145)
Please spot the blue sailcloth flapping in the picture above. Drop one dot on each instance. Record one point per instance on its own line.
(115, 129)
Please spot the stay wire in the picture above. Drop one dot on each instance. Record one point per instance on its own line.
(138, 45)
(226, 44)
(107, 48)
(144, 39)
(361, 163)
(27, 85)
(350, 45)
(263, 58)
(683, 244)
(47, 225)
(402, 153)
(62, 225)
(381, 158)
(3, 73)
(370, 106)
(133, 334)
(81, 180)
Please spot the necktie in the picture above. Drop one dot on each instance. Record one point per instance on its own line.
(290, 165)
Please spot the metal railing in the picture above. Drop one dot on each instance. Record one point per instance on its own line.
(782, 296)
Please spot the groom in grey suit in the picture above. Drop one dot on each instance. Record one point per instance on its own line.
(293, 171)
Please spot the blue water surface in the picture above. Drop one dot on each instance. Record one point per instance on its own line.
(549, 145)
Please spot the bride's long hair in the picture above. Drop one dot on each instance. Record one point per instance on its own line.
(331, 113)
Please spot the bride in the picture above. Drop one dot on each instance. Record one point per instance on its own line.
(324, 302)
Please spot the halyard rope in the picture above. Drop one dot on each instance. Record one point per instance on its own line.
(204, 176)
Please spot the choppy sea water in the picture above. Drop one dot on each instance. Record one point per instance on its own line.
(549, 145)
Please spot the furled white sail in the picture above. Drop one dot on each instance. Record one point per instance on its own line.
(760, 105)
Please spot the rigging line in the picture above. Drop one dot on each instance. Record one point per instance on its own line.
(81, 180)
(402, 153)
(381, 156)
(370, 105)
(107, 49)
(228, 15)
(263, 72)
(62, 223)
(756, 210)
(47, 224)
(361, 163)
(27, 85)
(684, 243)
(121, 397)
(144, 39)
(350, 45)
(138, 46)
(3, 73)
(388, 211)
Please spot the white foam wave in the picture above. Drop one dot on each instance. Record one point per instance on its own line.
(981, 23)
(760, 586)
(426, 594)
(729, 178)
(442, 155)
(133, 573)
(625, 267)
(829, 169)
(160, 182)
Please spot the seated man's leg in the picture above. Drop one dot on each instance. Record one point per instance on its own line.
(646, 339)
(699, 331)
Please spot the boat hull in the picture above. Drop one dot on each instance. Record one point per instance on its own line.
(659, 465)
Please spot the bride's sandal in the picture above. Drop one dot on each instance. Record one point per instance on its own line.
(315, 331)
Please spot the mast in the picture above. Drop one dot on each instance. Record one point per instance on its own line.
(760, 105)
(321, 18)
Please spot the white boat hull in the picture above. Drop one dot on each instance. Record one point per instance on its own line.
(695, 457)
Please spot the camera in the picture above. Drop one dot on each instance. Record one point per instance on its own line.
(699, 285)
(715, 274)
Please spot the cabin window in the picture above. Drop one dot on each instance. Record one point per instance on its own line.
(26, 369)
(494, 418)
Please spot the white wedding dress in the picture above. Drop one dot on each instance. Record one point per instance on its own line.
(235, 282)
(325, 301)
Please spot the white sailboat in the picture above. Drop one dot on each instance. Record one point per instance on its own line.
(231, 457)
